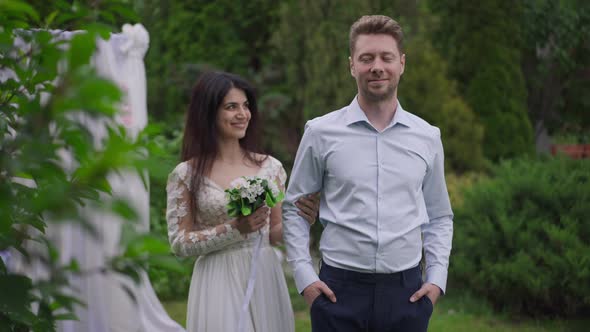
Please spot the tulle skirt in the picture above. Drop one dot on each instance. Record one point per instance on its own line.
(218, 287)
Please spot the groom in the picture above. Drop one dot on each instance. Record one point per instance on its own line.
(384, 200)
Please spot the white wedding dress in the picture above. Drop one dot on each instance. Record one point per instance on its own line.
(221, 272)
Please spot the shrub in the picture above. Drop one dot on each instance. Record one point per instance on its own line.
(457, 184)
(522, 237)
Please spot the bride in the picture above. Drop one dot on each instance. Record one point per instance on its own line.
(219, 146)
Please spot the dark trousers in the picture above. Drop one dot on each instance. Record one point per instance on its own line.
(370, 302)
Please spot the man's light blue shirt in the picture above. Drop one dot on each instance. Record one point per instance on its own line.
(383, 196)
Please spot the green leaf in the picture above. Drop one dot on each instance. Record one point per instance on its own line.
(49, 19)
(258, 203)
(27, 317)
(73, 266)
(82, 47)
(15, 293)
(125, 12)
(233, 213)
(269, 200)
(66, 316)
(167, 262)
(52, 250)
(3, 269)
(124, 210)
(280, 197)
(64, 17)
(37, 222)
(65, 301)
(146, 244)
(45, 321)
(107, 17)
(99, 29)
(18, 8)
(246, 210)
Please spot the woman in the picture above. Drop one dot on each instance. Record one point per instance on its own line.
(219, 146)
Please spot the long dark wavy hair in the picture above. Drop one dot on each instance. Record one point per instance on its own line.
(200, 142)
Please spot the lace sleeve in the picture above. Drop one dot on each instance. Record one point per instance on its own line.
(186, 237)
(280, 176)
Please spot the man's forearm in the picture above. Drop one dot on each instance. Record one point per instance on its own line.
(306, 178)
(437, 237)
(296, 236)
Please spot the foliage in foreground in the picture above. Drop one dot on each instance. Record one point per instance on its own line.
(51, 167)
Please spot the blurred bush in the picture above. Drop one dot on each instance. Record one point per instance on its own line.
(165, 143)
(457, 184)
(522, 237)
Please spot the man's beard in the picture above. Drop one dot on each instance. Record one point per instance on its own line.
(379, 97)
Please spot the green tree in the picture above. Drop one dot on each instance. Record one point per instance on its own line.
(426, 91)
(556, 59)
(73, 14)
(188, 37)
(312, 43)
(311, 49)
(482, 41)
(312, 46)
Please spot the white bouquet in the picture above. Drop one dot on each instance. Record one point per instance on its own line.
(248, 193)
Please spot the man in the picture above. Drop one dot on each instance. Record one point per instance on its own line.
(380, 171)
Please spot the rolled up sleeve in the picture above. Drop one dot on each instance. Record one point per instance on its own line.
(306, 178)
(438, 233)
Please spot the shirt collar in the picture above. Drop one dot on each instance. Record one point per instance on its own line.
(355, 114)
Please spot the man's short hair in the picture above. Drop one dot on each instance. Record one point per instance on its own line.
(373, 25)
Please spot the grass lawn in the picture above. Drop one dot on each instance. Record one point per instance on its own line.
(453, 313)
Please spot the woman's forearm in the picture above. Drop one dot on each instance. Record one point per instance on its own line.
(276, 234)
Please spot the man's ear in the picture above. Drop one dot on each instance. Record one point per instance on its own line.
(403, 61)
(351, 65)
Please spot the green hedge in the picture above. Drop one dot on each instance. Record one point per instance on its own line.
(522, 237)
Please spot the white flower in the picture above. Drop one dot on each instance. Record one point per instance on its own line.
(246, 190)
(252, 189)
(239, 183)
